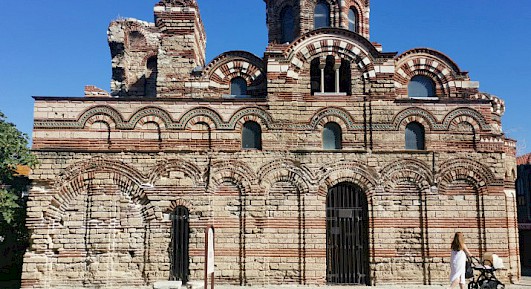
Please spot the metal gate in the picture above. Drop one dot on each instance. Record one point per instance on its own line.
(180, 238)
(347, 237)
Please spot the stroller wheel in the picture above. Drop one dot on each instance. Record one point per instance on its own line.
(473, 285)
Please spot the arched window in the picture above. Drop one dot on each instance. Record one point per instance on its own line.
(414, 136)
(421, 86)
(287, 22)
(238, 86)
(332, 136)
(329, 76)
(251, 136)
(353, 20)
(321, 15)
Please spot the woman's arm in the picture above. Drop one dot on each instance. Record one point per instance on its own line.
(466, 250)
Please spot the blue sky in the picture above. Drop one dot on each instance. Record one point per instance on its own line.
(56, 47)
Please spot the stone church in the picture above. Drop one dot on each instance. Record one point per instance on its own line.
(325, 161)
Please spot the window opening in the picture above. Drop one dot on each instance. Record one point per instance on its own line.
(330, 76)
(415, 136)
(332, 136)
(421, 86)
(321, 15)
(251, 136)
(353, 20)
(288, 24)
(238, 86)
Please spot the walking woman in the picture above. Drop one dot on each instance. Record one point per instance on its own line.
(458, 261)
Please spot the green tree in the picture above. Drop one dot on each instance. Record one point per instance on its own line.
(14, 152)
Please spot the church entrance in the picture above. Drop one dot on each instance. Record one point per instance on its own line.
(347, 250)
(180, 244)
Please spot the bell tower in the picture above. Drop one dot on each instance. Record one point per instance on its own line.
(288, 19)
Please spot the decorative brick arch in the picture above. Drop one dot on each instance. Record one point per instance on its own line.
(161, 124)
(335, 114)
(75, 180)
(176, 165)
(255, 114)
(352, 172)
(469, 115)
(112, 116)
(229, 65)
(431, 63)
(150, 114)
(469, 170)
(285, 170)
(203, 113)
(332, 41)
(415, 114)
(236, 172)
(410, 170)
(101, 118)
(178, 203)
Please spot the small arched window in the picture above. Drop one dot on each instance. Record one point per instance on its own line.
(321, 15)
(238, 86)
(287, 22)
(353, 20)
(332, 136)
(421, 86)
(414, 136)
(329, 76)
(251, 136)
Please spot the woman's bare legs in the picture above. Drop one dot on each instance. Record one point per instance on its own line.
(455, 282)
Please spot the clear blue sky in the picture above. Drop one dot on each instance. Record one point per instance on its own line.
(56, 47)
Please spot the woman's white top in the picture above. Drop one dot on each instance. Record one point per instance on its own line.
(458, 266)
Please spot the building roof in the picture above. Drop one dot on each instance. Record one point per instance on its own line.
(524, 160)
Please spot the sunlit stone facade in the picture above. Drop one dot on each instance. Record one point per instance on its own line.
(331, 162)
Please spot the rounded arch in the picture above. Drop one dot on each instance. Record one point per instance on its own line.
(163, 168)
(114, 118)
(415, 114)
(285, 170)
(332, 41)
(236, 63)
(76, 180)
(332, 114)
(470, 170)
(350, 172)
(236, 172)
(178, 203)
(430, 63)
(469, 115)
(101, 118)
(206, 114)
(152, 114)
(411, 170)
(255, 114)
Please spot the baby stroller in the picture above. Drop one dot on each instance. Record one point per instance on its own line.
(486, 278)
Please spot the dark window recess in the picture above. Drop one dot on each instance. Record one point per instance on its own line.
(345, 76)
(415, 136)
(321, 15)
(347, 238)
(421, 86)
(332, 136)
(180, 244)
(288, 24)
(150, 89)
(315, 76)
(251, 136)
(353, 20)
(238, 86)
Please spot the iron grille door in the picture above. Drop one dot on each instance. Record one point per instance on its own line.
(347, 241)
(180, 238)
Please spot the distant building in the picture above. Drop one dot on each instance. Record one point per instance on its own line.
(324, 161)
(523, 200)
